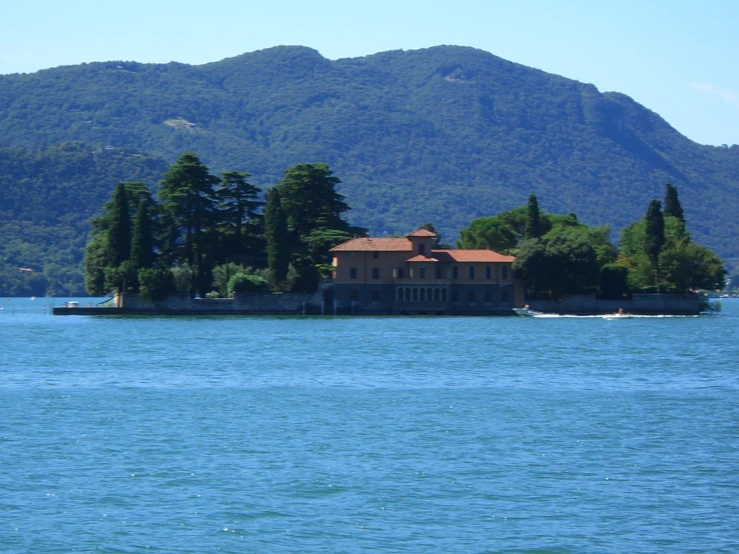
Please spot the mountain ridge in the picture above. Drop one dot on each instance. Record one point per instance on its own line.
(441, 134)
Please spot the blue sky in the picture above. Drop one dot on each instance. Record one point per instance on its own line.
(677, 58)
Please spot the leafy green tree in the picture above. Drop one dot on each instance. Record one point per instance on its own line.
(687, 266)
(488, 233)
(94, 264)
(533, 219)
(277, 236)
(654, 236)
(561, 262)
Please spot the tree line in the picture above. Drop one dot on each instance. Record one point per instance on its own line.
(209, 235)
(557, 254)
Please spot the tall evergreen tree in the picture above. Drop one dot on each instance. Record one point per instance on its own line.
(119, 232)
(188, 195)
(672, 203)
(142, 242)
(654, 235)
(277, 237)
(239, 200)
(533, 219)
(310, 200)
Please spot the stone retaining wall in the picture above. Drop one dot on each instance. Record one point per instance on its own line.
(639, 304)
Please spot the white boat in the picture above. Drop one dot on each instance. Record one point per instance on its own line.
(526, 312)
(617, 315)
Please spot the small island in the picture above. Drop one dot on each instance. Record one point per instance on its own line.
(216, 245)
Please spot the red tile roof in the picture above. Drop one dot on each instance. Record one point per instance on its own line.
(368, 244)
(470, 256)
(422, 258)
(421, 233)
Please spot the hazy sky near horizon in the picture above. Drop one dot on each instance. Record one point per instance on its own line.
(677, 58)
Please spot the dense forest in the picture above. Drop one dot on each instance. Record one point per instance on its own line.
(444, 134)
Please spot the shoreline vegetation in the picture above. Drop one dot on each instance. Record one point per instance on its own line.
(217, 237)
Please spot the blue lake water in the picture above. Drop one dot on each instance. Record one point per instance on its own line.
(417, 434)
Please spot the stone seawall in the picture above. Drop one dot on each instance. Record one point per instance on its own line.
(182, 304)
(638, 304)
(321, 303)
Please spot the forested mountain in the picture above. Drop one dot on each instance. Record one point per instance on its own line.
(444, 134)
(47, 198)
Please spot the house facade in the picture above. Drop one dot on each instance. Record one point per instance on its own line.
(408, 276)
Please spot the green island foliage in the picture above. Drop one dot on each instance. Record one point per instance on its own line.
(202, 231)
(558, 254)
(445, 134)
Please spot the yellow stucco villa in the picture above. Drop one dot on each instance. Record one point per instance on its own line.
(408, 276)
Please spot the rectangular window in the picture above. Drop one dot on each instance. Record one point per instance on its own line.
(375, 255)
(353, 295)
(472, 272)
(471, 296)
(421, 272)
(504, 272)
(488, 272)
(422, 249)
(437, 271)
(352, 273)
(455, 272)
(504, 297)
(401, 273)
(488, 296)
(375, 272)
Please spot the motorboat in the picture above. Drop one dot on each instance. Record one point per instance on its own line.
(526, 312)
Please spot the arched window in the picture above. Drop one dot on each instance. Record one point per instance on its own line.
(430, 294)
(436, 294)
(423, 295)
(400, 295)
(443, 295)
(415, 294)
(407, 294)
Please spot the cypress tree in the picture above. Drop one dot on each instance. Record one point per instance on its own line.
(533, 219)
(119, 232)
(672, 203)
(654, 235)
(277, 236)
(142, 242)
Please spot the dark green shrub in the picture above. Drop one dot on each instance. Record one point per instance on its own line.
(155, 283)
(614, 282)
(241, 282)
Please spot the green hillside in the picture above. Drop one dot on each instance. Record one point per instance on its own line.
(444, 134)
(47, 198)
